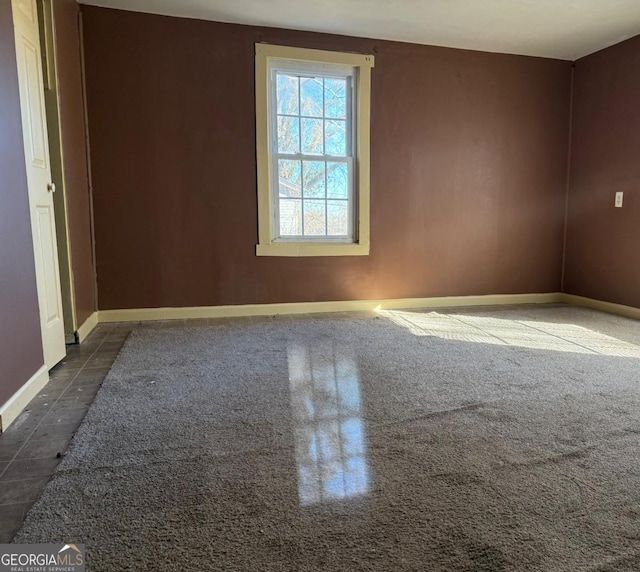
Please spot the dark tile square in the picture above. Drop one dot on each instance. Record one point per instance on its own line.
(66, 406)
(113, 345)
(96, 337)
(91, 342)
(44, 401)
(11, 517)
(92, 374)
(21, 429)
(101, 369)
(88, 378)
(31, 468)
(62, 372)
(108, 351)
(117, 336)
(88, 351)
(22, 490)
(9, 450)
(55, 389)
(82, 390)
(73, 350)
(66, 427)
(83, 398)
(121, 331)
(61, 416)
(100, 361)
(51, 393)
(74, 362)
(37, 407)
(46, 443)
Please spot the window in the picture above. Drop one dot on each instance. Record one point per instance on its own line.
(312, 138)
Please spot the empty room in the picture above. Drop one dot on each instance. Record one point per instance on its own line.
(347, 285)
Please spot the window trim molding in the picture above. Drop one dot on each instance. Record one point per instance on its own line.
(267, 246)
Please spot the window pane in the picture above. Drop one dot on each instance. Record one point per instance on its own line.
(311, 96)
(312, 136)
(313, 195)
(290, 217)
(313, 179)
(287, 94)
(337, 180)
(336, 137)
(289, 175)
(288, 135)
(337, 218)
(335, 98)
(314, 218)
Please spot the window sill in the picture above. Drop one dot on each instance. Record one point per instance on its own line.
(311, 249)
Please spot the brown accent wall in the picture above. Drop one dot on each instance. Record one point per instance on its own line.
(72, 119)
(20, 340)
(603, 242)
(468, 175)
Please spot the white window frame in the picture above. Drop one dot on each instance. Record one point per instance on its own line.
(268, 58)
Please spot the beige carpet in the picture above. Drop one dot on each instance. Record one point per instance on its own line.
(504, 440)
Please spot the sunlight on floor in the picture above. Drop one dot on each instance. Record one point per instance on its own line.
(515, 332)
(329, 433)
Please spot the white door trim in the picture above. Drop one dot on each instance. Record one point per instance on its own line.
(40, 190)
(56, 159)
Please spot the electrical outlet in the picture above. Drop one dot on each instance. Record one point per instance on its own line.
(619, 196)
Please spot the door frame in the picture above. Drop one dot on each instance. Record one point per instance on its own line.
(56, 158)
(41, 189)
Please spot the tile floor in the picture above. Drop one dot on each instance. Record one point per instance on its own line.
(32, 447)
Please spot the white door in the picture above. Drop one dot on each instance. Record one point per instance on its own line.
(36, 150)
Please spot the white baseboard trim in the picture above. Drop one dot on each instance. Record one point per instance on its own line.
(608, 307)
(86, 328)
(145, 314)
(21, 398)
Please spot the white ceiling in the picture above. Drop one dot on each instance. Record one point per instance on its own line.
(564, 29)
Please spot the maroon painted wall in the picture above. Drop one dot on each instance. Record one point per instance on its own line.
(20, 340)
(468, 177)
(603, 242)
(76, 178)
